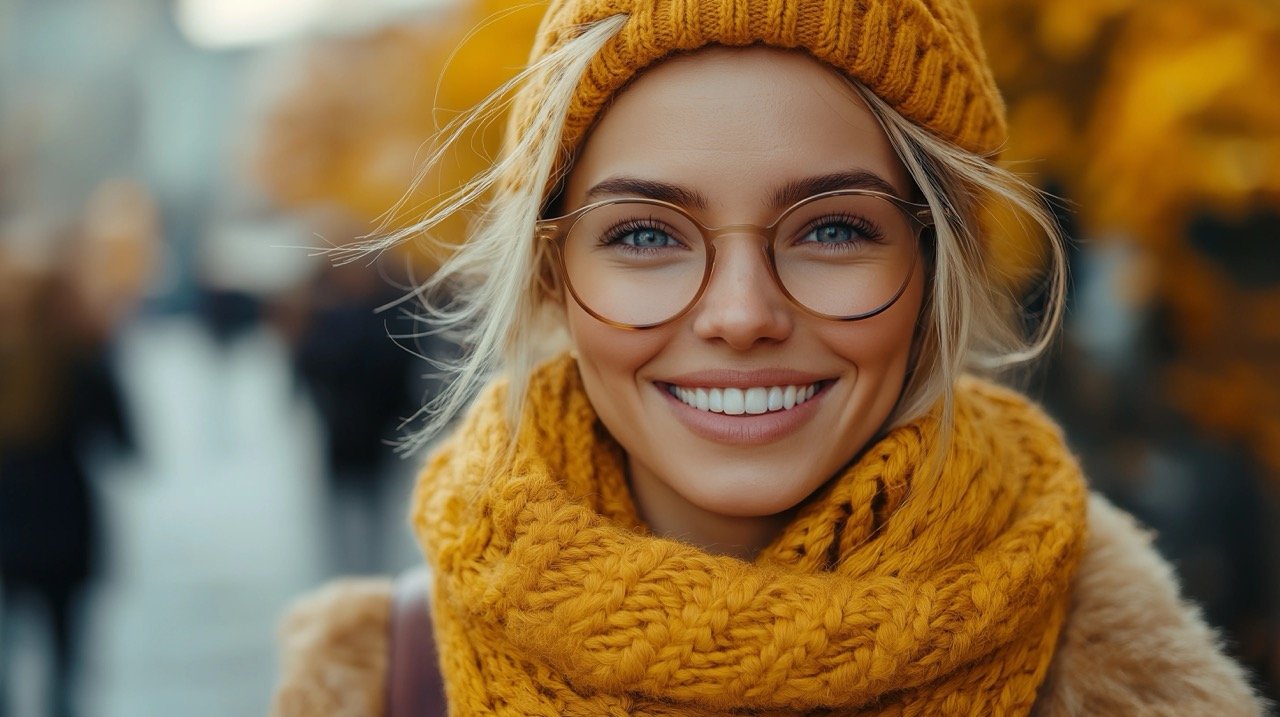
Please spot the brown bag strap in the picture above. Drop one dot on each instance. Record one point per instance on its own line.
(415, 687)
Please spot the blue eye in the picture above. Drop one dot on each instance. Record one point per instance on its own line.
(645, 238)
(832, 234)
(841, 231)
(640, 235)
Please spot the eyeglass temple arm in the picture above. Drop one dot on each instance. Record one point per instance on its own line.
(546, 230)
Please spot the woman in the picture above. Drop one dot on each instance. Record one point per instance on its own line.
(759, 479)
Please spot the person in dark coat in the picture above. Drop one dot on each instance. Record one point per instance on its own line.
(361, 381)
(59, 396)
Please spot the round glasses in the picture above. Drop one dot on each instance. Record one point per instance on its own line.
(640, 263)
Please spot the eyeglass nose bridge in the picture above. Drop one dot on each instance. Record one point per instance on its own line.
(767, 233)
(764, 233)
(766, 236)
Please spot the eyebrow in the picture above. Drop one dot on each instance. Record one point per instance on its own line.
(792, 192)
(785, 196)
(650, 189)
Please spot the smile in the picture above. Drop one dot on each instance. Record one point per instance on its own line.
(752, 401)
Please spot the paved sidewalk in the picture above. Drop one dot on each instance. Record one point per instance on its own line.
(213, 529)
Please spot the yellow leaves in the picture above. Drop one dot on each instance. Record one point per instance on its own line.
(1143, 109)
(1158, 90)
(1151, 114)
(1020, 256)
(1160, 119)
(356, 130)
(1039, 129)
(1069, 28)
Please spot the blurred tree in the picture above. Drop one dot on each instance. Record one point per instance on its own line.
(357, 127)
(1159, 118)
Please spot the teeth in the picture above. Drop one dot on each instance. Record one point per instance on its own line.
(737, 401)
(775, 399)
(804, 394)
(733, 401)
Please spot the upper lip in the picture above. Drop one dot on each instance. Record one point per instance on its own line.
(733, 378)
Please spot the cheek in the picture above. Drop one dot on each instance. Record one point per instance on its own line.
(883, 344)
(879, 347)
(609, 359)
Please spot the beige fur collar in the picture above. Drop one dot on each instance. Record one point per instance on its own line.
(1131, 645)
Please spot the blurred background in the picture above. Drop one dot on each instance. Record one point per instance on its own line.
(195, 405)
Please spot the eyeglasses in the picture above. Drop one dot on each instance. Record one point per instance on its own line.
(640, 263)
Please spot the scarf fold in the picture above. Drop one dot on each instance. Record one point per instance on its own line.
(893, 590)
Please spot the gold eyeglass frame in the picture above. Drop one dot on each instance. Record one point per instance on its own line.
(556, 231)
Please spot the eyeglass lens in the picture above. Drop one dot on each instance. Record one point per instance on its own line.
(639, 263)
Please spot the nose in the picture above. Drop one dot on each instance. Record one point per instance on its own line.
(742, 304)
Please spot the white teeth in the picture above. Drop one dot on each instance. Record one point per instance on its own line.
(775, 399)
(733, 404)
(737, 401)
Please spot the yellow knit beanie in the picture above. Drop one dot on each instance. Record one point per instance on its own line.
(923, 57)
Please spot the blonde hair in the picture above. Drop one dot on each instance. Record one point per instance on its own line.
(972, 321)
(499, 308)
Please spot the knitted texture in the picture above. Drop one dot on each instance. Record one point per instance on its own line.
(889, 592)
(923, 57)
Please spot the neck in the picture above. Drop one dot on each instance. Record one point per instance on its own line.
(670, 515)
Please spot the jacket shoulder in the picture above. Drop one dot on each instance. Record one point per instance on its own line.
(334, 648)
(1131, 645)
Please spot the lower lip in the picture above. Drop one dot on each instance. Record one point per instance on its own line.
(744, 429)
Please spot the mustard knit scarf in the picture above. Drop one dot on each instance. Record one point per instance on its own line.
(888, 593)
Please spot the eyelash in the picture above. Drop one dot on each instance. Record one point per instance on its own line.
(866, 229)
(613, 236)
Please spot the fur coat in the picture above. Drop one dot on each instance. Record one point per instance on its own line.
(1131, 645)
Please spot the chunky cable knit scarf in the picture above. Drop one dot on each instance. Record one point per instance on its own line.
(890, 592)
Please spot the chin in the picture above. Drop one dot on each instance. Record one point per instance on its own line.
(744, 496)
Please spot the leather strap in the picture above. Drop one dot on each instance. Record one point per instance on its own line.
(415, 687)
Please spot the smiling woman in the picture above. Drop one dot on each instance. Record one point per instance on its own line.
(752, 327)
(758, 478)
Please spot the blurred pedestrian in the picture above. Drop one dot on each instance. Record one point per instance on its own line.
(58, 398)
(361, 381)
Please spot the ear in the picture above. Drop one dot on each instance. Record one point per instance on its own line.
(550, 287)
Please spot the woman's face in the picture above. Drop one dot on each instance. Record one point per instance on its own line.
(737, 127)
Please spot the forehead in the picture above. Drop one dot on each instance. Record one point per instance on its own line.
(734, 124)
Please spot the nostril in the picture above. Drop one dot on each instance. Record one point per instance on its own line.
(742, 306)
